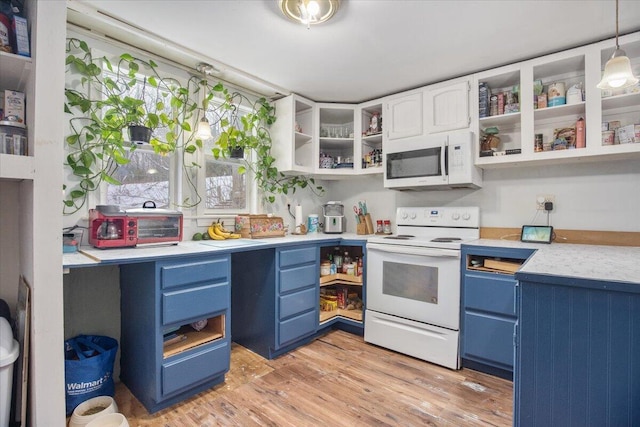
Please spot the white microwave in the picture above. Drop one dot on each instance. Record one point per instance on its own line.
(436, 162)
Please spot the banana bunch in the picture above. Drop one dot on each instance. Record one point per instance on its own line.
(216, 231)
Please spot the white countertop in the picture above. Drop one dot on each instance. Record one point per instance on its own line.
(590, 262)
(88, 255)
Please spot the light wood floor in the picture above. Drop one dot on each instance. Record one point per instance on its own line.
(337, 380)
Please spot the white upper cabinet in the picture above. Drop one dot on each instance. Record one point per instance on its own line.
(336, 151)
(403, 115)
(293, 135)
(369, 139)
(447, 106)
(537, 105)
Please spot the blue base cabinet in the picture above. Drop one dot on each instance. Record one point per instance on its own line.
(578, 354)
(275, 298)
(164, 296)
(488, 323)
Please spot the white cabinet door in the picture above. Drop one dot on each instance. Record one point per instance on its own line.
(404, 116)
(447, 107)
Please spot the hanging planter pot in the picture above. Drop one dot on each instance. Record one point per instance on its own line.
(139, 134)
(236, 153)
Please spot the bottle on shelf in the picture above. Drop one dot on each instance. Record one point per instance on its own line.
(332, 265)
(337, 257)
(360, 266)
(346, 261)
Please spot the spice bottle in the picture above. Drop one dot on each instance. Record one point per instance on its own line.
(379, 226)
(387, 226)
(360, 265)
(332, 265)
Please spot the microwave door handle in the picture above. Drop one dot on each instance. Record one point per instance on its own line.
(443, 160)
(413, 250)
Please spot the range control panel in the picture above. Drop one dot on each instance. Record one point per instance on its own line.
(439, 216)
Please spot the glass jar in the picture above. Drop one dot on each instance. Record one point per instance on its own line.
(325, 268)
(387, 226)
(379, 228)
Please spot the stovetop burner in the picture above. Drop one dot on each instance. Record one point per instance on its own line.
(401, 237)
(446, 239)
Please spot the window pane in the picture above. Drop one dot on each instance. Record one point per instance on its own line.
(145, 177)
(225, 187)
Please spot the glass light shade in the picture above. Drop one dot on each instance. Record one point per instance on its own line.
(309, 12)
(617, 72)
(204, 129)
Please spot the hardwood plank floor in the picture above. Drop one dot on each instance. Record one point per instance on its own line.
(336, 380)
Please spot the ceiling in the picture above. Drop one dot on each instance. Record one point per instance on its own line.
(370, 48)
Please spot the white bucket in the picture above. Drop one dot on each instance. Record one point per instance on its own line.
(78, 419)
(9, 350)
(110, 420)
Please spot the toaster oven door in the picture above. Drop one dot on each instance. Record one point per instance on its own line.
(151, 229)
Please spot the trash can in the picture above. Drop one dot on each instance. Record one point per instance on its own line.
(9, 350)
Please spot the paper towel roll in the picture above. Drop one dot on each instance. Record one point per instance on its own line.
(299, 218)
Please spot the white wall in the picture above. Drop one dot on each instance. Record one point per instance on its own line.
(9, 242)
(589, 196)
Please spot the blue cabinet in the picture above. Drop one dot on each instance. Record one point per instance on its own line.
(169, 295)
(275, 298)
(578, 353)
(488, 323)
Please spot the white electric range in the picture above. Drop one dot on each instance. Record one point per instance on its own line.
(413, 283)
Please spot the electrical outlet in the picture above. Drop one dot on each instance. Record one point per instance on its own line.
(541, 199)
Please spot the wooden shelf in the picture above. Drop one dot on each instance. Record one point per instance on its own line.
(213, 331)
(349, 314)
(340, 279)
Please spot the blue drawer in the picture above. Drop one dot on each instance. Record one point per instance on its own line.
(491, 294)
(298, 278)
(203, 270)
(194, 302)
(297, 302)
(196, 367)
(297, 327)
(489, 340)
(298, 256)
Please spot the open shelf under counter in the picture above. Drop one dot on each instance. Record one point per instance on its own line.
(14, 71)
(15, 167)
(349, 314)
(340, 279)
(559, 110)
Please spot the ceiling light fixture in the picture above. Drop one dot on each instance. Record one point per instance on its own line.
(617, 71)
(309, 12)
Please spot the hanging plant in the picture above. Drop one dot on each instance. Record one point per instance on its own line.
(249, 132)
(105, 106)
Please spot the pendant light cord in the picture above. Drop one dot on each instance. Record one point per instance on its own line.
(617, 45)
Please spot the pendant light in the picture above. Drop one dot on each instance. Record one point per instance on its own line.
(309, 12)
(204, 129)
(617, 71)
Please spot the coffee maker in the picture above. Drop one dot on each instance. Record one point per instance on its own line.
(334, 221)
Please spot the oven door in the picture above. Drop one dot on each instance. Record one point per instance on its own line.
(421, 284)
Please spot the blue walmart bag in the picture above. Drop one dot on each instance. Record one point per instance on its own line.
(88, 368)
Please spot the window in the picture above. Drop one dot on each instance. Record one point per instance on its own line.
(225, 189)
(146, 176)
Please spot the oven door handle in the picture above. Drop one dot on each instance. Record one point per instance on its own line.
(414, 250)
